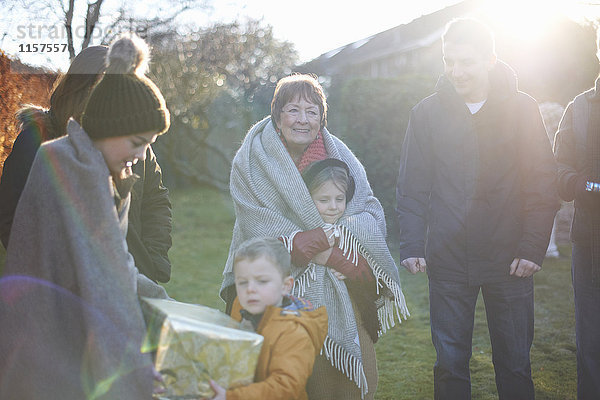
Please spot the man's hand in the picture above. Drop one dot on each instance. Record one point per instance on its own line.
(523, 268)
(414, 264)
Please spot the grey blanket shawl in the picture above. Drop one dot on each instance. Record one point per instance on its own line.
(75, 330)
(271, 199)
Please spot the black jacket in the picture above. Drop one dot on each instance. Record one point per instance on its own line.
(571, 153)
(150, 221)
(18, 164)
(149, 231)
(476, 191)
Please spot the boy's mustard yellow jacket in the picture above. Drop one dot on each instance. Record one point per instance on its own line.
(292, 340)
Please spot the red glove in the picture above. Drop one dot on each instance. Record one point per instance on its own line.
(339, 262)
(308, 243)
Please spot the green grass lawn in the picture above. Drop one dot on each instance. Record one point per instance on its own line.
(203, 221)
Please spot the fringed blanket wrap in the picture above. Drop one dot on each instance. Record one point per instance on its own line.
(271, 199)
(72, 327)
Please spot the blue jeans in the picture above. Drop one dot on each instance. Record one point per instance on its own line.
(509, 311)
(587, 324)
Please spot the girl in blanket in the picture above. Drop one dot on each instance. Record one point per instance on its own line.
(352, 304)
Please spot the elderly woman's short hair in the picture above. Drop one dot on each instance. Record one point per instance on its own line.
(303, 86)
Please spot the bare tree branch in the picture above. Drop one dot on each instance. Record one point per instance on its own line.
(113, 27)
(69, 28)
(91, 18)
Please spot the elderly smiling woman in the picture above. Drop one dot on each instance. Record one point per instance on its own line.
(271, 199)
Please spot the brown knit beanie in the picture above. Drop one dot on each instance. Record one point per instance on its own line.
(125, 102)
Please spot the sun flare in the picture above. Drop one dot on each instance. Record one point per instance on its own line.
(528, 19)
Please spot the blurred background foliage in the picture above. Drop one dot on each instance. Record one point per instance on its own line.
(217, 82)
(370, 116)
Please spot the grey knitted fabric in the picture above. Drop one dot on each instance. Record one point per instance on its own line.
(67, 232)
(271, 199)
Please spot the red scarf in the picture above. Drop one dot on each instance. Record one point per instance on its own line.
(314, 152)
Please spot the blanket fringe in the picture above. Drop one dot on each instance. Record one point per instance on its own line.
(302, 282)
(351, 246)
(387, 312)
(345, 362)
(288, 241)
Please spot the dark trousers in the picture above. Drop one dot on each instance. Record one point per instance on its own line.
(509, 311)
(587, 324)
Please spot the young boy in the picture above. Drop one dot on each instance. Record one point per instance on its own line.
(293, 332)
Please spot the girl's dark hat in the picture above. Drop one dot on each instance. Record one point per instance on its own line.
(125, 101)
(313, 169)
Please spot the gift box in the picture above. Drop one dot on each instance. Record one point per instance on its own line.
(194, 343)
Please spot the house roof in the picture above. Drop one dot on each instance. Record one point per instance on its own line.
(419, 33)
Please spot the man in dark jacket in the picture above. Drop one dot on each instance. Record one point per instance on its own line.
(476, 199)
(577, 150)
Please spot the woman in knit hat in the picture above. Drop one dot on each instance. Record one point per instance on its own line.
(271, 199)
(72, 324)
(148, 242)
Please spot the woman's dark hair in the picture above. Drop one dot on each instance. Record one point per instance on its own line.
(72, 90)
(304, 86)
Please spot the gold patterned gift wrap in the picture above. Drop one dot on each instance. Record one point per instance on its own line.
(194, 343)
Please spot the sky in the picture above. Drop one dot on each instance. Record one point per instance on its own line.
(318, 26)
(313, 26)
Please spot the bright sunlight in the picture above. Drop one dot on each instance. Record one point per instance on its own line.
(529, 19)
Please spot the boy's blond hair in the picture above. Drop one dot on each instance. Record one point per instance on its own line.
(268, 247)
